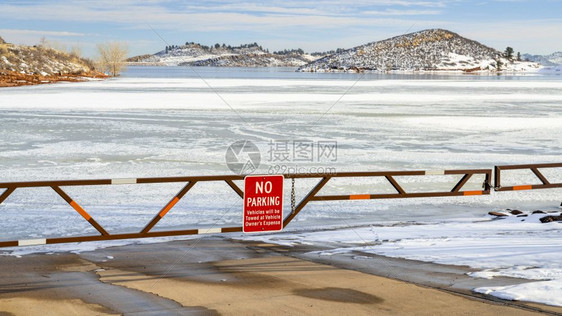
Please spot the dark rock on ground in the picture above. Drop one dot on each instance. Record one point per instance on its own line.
(497, 214)
(550, 218)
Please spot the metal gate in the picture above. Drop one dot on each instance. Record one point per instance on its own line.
(313, 195)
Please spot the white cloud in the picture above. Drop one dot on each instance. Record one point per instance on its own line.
(161, 18)
(531, 36)
(224, 16)
(17, 32)
(402, 12)
(359, 3)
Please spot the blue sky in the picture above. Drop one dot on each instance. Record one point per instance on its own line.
(527, 26)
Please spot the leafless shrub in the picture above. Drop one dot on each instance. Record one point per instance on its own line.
(112, 57)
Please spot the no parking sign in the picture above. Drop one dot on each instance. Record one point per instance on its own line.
(263, 203)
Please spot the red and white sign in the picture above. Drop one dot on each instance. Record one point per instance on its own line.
(263, 203)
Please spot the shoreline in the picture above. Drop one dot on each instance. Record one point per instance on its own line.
(355, 70)
(10, 78)
(215, 275)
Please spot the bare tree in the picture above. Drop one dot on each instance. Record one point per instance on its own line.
(112, 57)
(43, 42)
(75, 51)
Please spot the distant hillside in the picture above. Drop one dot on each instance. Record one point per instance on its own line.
(248, 55)
(139, 58)
(251, 60)
(41, 60)
(554, 59)
(430, 50)
(23, 65)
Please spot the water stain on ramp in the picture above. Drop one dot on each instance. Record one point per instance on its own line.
(340, 295)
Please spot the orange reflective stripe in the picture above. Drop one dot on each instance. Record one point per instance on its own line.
(522, 187)
(360, 197)
(80, 210)
(169, 206)
(472, 193)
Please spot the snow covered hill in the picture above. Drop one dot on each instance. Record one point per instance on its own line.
(427, 50)
(248, 55)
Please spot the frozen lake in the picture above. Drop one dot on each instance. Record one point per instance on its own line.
(171, 122)
(146, 124)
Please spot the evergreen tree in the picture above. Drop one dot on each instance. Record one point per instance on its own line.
(508, 53)
(499, 65)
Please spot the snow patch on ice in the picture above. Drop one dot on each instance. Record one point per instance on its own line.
(545, 292)
(509, 247)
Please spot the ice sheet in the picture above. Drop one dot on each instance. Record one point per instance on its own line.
(519, 247)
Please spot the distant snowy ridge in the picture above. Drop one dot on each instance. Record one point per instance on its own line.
(249, 55)
(427, 50)
(252, 60)
(554, 59)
